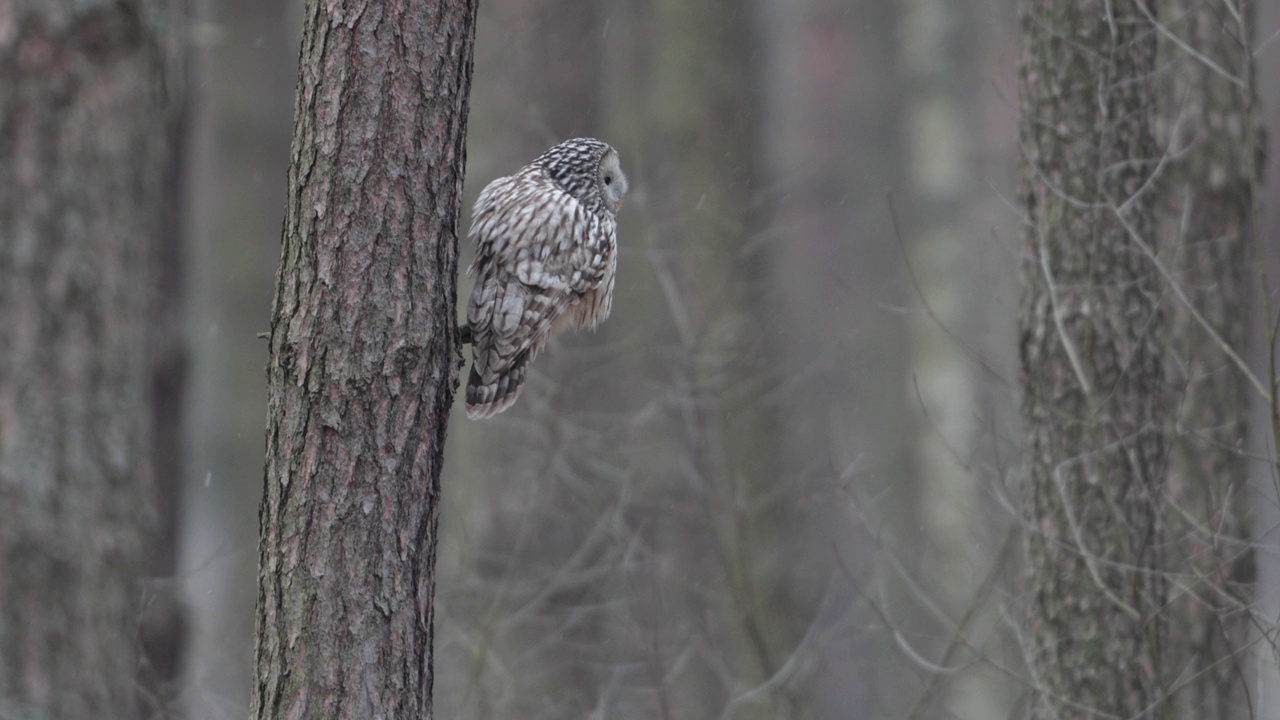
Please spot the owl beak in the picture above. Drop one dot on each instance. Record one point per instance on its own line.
(618, 205)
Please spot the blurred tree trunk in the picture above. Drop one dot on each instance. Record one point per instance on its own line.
(363, 362)
(1211, 126)
(943, 73)
(703, 114)
(88, 108)
(165, 615)
(831, 130)
(559, 74)
(1091, 343)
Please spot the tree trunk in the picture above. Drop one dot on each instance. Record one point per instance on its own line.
(833, 130)
(1208, 205)
(363, 362)
(1090, 339)
(165, 615)
(87, 100)
(702, 118)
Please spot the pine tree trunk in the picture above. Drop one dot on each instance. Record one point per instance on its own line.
(1091, 339)
(1208, 198)
(363, 362)
(87, 100)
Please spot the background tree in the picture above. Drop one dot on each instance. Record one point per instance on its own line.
(166, 618)
(571, 522)
(89, 101)
(363, 362)
(1211, 131)
(1091, 341)
(707, 243)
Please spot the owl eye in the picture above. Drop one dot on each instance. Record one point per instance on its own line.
(608, 179)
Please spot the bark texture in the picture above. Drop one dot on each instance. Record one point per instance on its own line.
(1090, 348)
(363, 361)
(1212, 127)
(87, 99)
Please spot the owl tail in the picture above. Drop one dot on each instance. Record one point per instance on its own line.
(490, 398)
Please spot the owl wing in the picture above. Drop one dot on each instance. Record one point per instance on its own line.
(549, 238)
(539, 253)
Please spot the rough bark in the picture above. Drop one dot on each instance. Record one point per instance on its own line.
(362, 369)
(1090, 343)
(1208, 205)
(87, 99)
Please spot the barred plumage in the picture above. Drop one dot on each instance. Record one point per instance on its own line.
(546, 250)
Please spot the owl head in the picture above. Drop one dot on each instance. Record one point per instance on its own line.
(589, 170)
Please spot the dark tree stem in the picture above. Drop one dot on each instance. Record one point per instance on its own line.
(88, 95)
(1091, 338)
(362, 370)
(1208, 201)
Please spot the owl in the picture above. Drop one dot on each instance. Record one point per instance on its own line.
(546, 251)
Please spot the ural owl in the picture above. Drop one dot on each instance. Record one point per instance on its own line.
(546, 250)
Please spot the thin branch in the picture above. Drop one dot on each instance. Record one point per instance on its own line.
(1085, 554)
(1200, 319)
(1067, 343)
(1207, 62)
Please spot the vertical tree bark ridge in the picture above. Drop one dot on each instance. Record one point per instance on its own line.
(1090, 343)
(1208, 200)
(86, 101)
(362, 369)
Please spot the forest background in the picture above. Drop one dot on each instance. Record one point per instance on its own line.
(786, 478)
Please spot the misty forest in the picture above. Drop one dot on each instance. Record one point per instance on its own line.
(940, 379)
